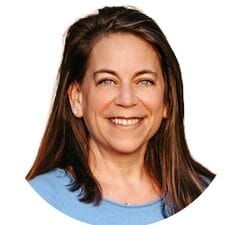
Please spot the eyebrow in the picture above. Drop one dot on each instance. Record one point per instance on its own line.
(112, 72)
(105, 71)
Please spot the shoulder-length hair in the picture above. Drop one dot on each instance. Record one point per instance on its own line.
(65, 140)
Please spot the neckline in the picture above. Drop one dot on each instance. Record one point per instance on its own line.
(62, 173)
(115, 203)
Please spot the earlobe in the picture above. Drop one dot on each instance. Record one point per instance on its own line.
(165, 113)
(74, 95)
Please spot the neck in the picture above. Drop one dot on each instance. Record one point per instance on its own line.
(122, 177)
(106, 163)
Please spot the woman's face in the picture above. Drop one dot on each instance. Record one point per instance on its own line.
(122, 94)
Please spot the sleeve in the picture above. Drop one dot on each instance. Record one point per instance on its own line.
(47, 191)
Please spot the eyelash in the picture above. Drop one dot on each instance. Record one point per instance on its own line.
(144, 82)
(106, 82)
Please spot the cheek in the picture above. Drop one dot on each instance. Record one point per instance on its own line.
(94, 101)
(89, 111)
(94, 104)
(153, 101)
(155, 106)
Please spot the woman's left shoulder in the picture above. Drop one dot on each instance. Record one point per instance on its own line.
(206, 180)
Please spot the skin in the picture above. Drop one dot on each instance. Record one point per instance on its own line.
(121, 101)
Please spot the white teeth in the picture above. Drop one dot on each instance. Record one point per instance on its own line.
(125, 122)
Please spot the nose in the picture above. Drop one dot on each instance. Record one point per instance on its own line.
(126, 96)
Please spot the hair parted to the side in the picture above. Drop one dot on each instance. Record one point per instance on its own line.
(65, 140)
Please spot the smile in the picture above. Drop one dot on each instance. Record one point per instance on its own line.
(125, 121)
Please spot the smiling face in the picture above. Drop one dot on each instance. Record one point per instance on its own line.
(121, 98)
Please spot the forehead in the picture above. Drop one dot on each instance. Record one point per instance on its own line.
(120, 50)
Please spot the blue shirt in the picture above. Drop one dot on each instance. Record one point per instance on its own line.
(52, 186)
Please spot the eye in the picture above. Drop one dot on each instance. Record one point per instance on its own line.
(106, 82)
(146, 82)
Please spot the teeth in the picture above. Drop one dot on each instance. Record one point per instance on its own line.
(125, 122)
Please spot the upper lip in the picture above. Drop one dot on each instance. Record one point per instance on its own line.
(126, 117)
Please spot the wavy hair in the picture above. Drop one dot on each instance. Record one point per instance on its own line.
(65, 140)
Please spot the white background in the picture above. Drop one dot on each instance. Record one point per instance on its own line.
(203, 36)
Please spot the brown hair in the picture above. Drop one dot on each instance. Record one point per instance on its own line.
(64, 143)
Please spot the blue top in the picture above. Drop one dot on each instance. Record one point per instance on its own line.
(52, 187)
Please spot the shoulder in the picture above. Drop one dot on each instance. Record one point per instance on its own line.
(51, 186)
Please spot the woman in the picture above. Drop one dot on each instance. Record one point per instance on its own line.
(114, 149)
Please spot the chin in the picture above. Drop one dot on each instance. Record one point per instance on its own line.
(127, 148)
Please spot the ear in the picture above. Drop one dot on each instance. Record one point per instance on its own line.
(165, 112)
(74, 95)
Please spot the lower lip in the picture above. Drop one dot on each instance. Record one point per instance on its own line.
(135, 125)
